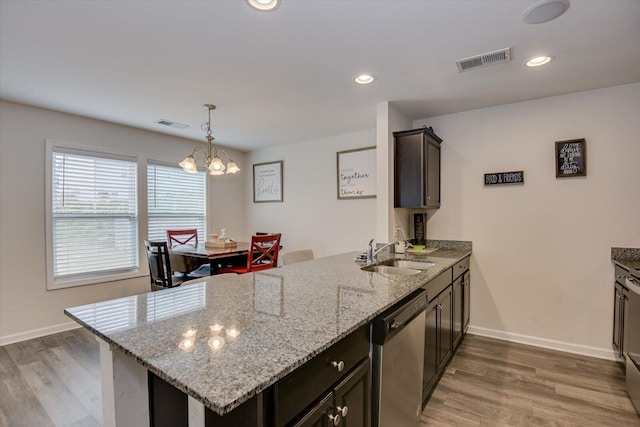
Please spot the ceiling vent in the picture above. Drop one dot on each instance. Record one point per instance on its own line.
(484, 60)
(171, 124)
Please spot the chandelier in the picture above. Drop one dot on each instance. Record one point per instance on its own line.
(212, 162)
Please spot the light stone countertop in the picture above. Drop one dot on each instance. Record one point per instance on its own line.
(628, 258)
(270, 322)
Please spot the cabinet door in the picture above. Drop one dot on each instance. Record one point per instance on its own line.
(351, 398)
(432, 174)
(408, 178)
(321, 415)
(466, 300)
(458, 315)
(618, 320)
(445, 328)
(430, 350)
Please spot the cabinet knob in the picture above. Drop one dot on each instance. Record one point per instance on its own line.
(339, 366)
(335, 419)
(621, 296)
(343, 410)
(439, 306)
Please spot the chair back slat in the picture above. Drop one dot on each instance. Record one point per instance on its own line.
(182, 237)
(264, 252)
(159, 264)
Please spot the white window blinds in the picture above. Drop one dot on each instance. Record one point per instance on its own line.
(94, 215)
(176, 201)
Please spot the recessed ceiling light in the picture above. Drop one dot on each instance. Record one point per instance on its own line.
(264, 5)
(364, 79)
(545, 11)
(538, 61)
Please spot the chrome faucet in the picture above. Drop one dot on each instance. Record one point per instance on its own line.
(372, 255)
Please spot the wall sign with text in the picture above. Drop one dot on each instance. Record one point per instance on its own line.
(571, 158)
(267, 182)
(497, 178)
(357, 173)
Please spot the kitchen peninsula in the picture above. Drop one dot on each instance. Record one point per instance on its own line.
(224, 343)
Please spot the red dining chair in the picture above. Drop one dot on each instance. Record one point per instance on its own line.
(186, 265)
(263, 254)
(182, 237)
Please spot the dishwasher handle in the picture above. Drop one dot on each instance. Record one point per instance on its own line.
(391, 322)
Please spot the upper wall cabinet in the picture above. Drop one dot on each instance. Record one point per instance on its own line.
(417, 169)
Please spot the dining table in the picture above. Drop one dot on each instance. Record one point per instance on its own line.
(234, 255)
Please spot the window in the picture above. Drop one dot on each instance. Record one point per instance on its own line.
(176, 201)
(92, 210)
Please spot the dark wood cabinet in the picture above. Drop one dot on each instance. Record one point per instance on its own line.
(438, 339)
(620, 295)
(321, 415)
(447, 321)
(416, 169)
(458, 310)
(341, 371)
(466, 300)
(461, 300)
(346, 405)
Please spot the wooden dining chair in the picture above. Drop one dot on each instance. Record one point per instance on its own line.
(182, 237)
(184, 264)
(300, 255)
(160, 266)
(263, 254)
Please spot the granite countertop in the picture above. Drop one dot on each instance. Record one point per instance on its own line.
(628, 258)
(249, 331)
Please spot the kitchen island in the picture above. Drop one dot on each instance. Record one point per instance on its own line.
(224, 341)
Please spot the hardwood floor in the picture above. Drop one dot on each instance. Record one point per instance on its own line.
(51, 381)
(55, 381)
(497, 383)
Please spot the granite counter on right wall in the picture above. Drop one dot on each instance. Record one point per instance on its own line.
(628, 258)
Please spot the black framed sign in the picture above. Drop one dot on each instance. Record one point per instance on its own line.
(356, 173)
(571, 158)
(267, 182)
(499, 178)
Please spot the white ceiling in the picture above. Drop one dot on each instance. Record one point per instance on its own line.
(286, 76)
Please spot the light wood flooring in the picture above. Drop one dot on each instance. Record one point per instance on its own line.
(55, 381)
(497, 383)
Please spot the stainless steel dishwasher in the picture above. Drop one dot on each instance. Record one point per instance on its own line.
(398, 363)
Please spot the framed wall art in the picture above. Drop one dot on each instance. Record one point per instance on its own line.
(571, 158)
(357, 173)
(267, 182)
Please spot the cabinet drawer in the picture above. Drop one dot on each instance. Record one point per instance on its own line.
(303, 386)
(438, 283)
(621, 275)
(460, 267)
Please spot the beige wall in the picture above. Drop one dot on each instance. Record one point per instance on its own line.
(541, 265)
(26, 308)
(311, 215)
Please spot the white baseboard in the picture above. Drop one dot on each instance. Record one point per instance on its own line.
(600, 353)
(37, 333)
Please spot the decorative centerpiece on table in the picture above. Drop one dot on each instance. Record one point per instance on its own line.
(220, 241)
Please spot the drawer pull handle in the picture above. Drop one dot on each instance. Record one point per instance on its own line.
(339, 366)
(343, 410)
(335, 419)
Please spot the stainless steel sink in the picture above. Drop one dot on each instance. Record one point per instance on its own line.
(399, 267)
(404, 263)
(391, 270)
